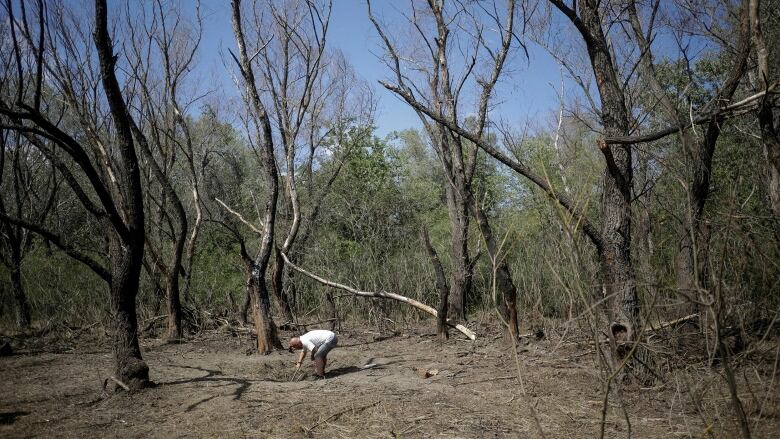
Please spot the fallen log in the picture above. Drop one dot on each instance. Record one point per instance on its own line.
(379, 294)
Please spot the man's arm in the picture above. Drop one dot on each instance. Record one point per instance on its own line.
(301, 357)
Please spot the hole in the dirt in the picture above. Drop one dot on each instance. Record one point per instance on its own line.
(9, 418)
(619, 332)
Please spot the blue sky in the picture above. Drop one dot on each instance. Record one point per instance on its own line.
(528, 95)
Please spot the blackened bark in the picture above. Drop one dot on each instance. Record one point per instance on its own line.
(126, 241)
(267, 337)
(174, 269)
(247, 296)
(771, 140)
(692, 261)
(617, 272)
(441, 287)
(127, 259)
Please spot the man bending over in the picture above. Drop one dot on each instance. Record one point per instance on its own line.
(319, 342)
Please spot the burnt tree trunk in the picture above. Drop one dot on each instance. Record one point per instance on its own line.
(174, 268)
(244, 316)
(267, 337)
(441, 287)
(691, 260)
(126, 244)
(127, 259)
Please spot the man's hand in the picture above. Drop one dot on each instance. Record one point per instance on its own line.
(297, 365)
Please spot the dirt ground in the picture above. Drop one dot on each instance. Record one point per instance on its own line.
(211, 386)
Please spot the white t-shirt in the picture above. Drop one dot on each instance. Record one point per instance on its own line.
(316, 338)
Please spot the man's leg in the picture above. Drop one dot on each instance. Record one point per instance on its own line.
(319, 365)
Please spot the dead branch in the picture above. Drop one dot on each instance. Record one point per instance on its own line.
(379, 294)
(672, 323)
(239, 216)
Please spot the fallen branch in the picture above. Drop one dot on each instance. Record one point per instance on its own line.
(509, 377)
(379, 294)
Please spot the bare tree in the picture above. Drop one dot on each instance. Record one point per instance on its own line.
(291, 62)
(441, 32)
(691, 259)
(166, 39)
(26, 109)
(267, 338)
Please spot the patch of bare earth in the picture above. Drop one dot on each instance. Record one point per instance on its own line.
(418, 387)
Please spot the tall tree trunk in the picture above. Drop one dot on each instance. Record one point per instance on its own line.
(23, 317)
(126, 241)
(267, 338)
(127, 259)
(618, 277)
(771, 140)
(461, 276)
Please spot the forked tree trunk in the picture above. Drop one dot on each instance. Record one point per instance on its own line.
(127, 259)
